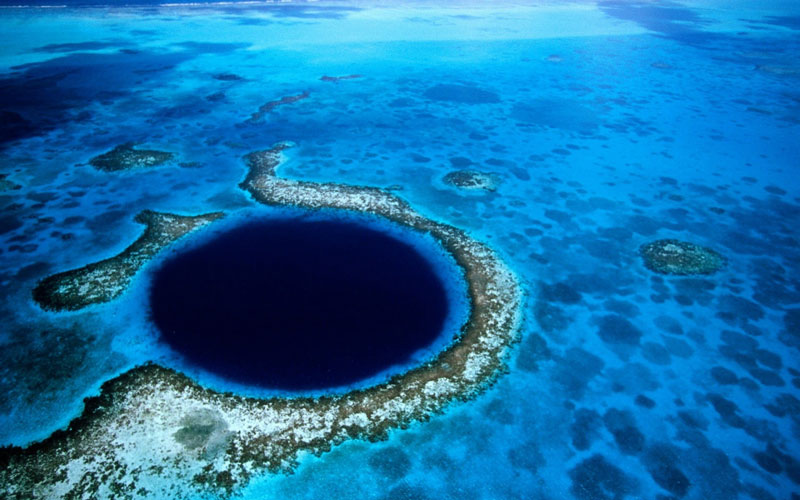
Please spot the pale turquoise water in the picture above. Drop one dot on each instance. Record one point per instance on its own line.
(607, 125)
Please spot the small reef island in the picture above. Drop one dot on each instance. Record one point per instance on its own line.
(126, 157)
(471, 180)
(154, 432)
(680, 258)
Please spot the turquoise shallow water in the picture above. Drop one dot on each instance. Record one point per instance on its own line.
(606, 126)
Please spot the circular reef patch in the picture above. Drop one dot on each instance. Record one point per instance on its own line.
(299, 304)
(680, 258)
(471, 180)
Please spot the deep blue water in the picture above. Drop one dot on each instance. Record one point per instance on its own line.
(607, 125)
(295, 305)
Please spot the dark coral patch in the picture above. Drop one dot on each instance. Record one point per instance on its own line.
(227, 77)
(680, 258)
(560, 292)
(622, 425)
(334, 79)
(392, 463)
(527, 456)
(585, 428)
(597, 479)
(125, 157)
(461, 94)
(662, 462)
(723, 376)
(534, 350)
(471, 180)
(615, 329)
(7, 185)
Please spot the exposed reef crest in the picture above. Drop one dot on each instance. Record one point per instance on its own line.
(131, 440)
(103, 281)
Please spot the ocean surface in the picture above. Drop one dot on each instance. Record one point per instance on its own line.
(603, 125)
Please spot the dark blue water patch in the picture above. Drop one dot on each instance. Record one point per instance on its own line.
(595, 478)
(575, 370)
(662, 461)
(406, 492)
(622, 426)
(622, 307)
(534, 350)
(42, 96)
(723, 376)
(615, 329)
(644, 402)
(632, 378)
(527, 456)
(668, 324)
(298, 304)
(792, 22)
(55, 48)
(559, 292)
(462, 94)
(669, 19)
(656, 353)
(585, 428)
(550, 317)
(790, 335)
(392, 463)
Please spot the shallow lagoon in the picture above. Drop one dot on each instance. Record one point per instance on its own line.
(606, 126)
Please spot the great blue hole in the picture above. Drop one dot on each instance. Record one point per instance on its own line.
(296, 304)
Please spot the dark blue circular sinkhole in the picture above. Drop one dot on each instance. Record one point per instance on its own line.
(299, 304)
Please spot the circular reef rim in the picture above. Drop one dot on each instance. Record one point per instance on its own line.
(162, 432)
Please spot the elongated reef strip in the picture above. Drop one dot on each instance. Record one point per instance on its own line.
(268, 107)
(128, 443)
(103, 281)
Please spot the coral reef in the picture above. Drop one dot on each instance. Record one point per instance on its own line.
(105, 280)
(471, 180)
(7, 185)
(125, 157)
(680, 258)
(327, 78)
(268, 107)
(154, 432)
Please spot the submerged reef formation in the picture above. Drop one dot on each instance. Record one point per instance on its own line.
(680, 258)
(125, 157)
(7, 185)
(471, 180)
(327, 78)
(105, 280)
(154, 432)
(268, 107)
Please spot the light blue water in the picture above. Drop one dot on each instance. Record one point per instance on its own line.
(608, 125)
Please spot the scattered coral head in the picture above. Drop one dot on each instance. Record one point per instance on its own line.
(680, 258)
